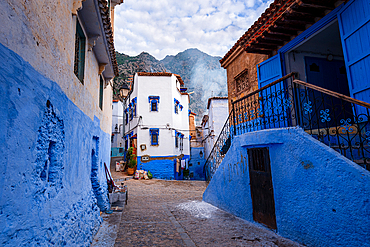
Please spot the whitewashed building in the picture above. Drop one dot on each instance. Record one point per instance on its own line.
(117, 129)
(157, 123)
(213, 124)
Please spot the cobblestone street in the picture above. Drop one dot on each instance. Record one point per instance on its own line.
(171, 213)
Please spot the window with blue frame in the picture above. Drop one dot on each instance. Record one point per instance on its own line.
(134, 103)
(126, 116)
(177, 103)
(177, 139)
(130, 111)
(154, 136)
(181, 142)
(153, 101)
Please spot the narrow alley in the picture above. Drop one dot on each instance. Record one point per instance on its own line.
(172, 213)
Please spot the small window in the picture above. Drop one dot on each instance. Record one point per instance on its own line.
(154, 105)
(80, 42)
(154, 134)
(101, 91)
(259, 159)
(176, 105)
(120, 150)
(153, 101)
(314, 67)
(126, 116)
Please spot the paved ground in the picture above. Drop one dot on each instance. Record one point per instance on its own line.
(171, 213)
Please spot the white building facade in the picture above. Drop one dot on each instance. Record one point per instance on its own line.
(217, 115)
(118, 129)
(157, 123)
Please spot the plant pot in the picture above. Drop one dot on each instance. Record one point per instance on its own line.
(131, 171)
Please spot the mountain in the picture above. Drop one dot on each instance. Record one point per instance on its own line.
(128, 66)
(202, 74)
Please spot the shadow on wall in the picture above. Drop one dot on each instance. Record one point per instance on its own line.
(99, 192)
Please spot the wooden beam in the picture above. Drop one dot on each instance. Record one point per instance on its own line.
(262, 41)
(258, 51)
(282, 31)
(307, 4)
(275, 37)
(270, 47)
(296, 21)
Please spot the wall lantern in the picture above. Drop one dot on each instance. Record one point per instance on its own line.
(124, 90)
(201, 153)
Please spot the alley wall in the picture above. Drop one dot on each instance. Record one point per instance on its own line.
(321, 198)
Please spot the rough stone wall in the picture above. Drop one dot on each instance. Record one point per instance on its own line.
(236, 66)
(52, 182)
(42, 32)
(321, 198)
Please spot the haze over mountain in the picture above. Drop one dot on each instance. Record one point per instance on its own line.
(202, 74)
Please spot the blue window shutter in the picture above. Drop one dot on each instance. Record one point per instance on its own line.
(269, 71)
(354, 26)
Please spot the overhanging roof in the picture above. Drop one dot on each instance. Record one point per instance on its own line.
(280, 23)
(95, 17)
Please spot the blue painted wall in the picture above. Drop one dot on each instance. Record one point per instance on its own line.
(196, 163)
(52, 182)
(161, 168)
(321, 198)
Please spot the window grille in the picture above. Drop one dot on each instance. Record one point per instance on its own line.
(154, 134)
(101, 91)
(80, 42)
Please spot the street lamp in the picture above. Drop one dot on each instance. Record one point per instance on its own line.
(123, 91)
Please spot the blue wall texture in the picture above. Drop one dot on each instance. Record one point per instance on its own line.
(196, 163)
(321, 198)
(160, 167)
(52, 182)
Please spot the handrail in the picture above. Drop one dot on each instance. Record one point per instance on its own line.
(331, 93)
(219, 139)
(292, 74)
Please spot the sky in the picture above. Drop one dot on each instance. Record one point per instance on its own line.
(167, 27)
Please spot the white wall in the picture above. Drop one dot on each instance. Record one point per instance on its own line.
(164, 119)
(117, 119)
(218, 113)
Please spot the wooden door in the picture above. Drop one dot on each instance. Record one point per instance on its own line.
(261, 187)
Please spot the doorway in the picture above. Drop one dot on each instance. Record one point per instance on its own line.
(261, 187)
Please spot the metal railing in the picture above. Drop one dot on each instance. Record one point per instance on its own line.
(339, 121)
(219, 149)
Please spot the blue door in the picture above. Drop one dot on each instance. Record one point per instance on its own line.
(273, 101)
(354, 26)
(330, 75)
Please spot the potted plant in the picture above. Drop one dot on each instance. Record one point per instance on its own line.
(131, 165)
(131, 161)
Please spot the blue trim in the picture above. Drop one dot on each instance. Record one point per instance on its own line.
(153, 98)
(154, 132)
